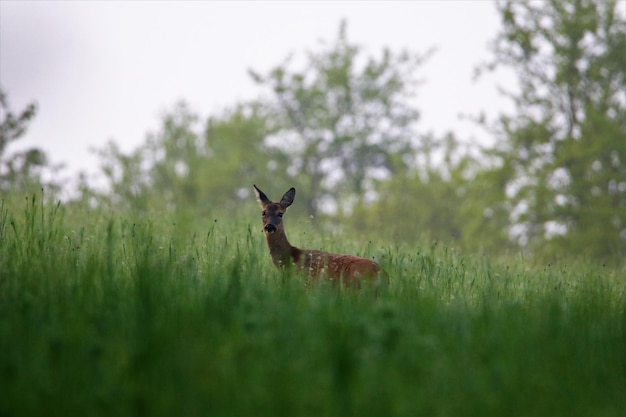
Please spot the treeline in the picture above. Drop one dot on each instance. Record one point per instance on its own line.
(342, 128)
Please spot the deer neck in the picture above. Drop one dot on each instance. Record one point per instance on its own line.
(281, 250)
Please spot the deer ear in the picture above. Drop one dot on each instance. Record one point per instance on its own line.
(288, 198)
(261, 197)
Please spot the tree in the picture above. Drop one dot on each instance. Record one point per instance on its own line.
(20, 170)
(562, 155)
(187, 170)
(343, 121)
(444, 198)
(236, 140)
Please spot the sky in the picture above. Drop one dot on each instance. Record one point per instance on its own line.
(109, 70)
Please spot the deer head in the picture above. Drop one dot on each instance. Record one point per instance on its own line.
(272, 213)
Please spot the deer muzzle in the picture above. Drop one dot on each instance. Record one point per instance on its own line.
(270, 228)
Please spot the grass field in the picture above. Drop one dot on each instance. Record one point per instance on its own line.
(103, 315)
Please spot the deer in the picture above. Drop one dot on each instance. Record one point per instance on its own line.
(348, 270)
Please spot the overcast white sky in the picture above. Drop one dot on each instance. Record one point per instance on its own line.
(102, 70)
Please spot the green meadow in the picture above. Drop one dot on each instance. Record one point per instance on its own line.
(115, 315)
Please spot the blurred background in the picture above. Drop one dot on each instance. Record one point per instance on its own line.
(490, 126)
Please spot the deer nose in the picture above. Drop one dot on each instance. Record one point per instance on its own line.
(270, 228)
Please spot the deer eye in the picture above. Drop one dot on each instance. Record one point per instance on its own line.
(263, 213)
(280, 214)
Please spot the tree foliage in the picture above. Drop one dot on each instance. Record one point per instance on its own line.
(188, 169)
(447, 197)
(562, 155)
(18, 170)
(343, 120)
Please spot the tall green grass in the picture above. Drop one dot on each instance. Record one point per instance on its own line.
(103, 315)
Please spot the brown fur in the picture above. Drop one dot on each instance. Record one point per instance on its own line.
(349, 269)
